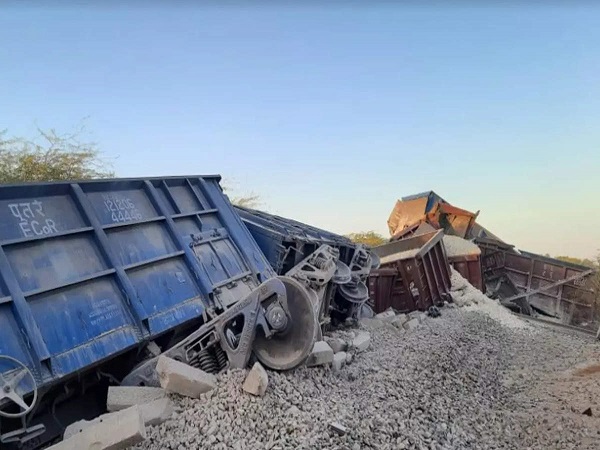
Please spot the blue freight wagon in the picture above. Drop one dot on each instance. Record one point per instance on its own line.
(91, 272)
(285, 242)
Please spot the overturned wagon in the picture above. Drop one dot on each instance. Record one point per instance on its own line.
(537, 285)
(286, 242)
(414, 274)
(97, 277)
(465, 257)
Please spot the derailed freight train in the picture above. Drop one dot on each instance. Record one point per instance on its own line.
(98, 278)
(536, 285)
(285, 242)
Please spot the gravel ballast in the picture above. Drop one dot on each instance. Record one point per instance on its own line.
(457, 246)
(465, 294)
(464, 380)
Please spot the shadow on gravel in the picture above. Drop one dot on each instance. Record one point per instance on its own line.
(594, 369)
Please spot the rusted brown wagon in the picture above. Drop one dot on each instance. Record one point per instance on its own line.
(421, 270)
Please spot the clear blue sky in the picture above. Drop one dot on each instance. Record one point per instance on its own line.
(331, 114)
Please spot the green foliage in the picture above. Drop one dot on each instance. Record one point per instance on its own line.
(582, 262)
(370, 238)
(50, 157)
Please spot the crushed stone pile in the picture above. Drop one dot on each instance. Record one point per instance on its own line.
(465, 294)
(462, 380)
(457, 246)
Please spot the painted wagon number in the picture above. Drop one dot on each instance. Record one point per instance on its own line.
(122, 210)
(548, 271)
(32, 219)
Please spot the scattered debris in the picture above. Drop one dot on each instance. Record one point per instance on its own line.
(154, 404)
(362, 341)
(466, 295)
(256, 381)
(414, 315)
(337, 344)
(339, 361)
(372, 323)
(471, 376)
(321, 355)
(412, 324)
(112, 431)
(387, 316)
(434, 311)
(338, 428)
(153, 349)
(157, 411)
(400, 320)
(182, 379)
(465, 257)
(122, 397)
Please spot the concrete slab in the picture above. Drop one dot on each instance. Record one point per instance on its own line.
(256, 381)
(156, 412)
(386, 316)
(338, 428)
(337, 345)
(339, 361)
(412, 324)
(414, 315)
(322, 354)
(373, 324)
(112, 431)
(400, 320)
(362, 341)
(182, 379)
(123, 397)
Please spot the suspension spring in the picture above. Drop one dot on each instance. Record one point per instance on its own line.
(206, 361)
(221, 357)
(321, 262)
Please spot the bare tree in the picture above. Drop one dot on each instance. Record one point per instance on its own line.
(50, 157)
(250, 200)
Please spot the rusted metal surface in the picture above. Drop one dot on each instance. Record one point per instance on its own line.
(465, 257)
(466, 262)
(422, 272)
(420, 227)
(548, 287)
(430, 208)
(479, 231)
(452, 220)
(469, 266)
(554, 289)
(406, 213)
(381, 283)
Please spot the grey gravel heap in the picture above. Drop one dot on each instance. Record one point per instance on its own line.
(460, 381)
